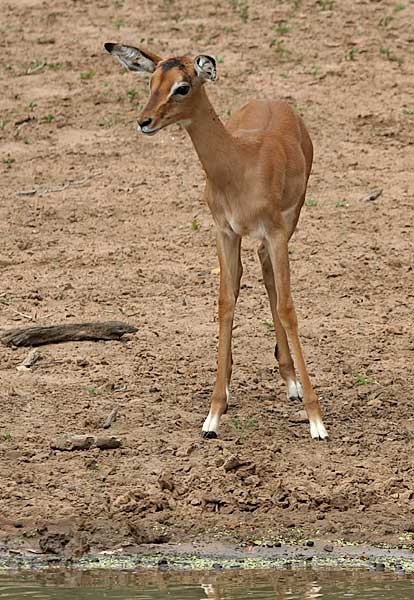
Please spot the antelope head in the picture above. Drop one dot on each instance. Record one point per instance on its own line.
(174, 86)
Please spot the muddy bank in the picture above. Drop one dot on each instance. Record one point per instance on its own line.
(216, 557)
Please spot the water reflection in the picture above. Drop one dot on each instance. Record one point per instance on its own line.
(229, 585)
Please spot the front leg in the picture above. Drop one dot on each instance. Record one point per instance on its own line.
(228, 250)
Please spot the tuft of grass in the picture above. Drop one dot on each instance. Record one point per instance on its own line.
(32, 105)
(132, 94)
(351, 54)
(310, 202)
(385, 21)
(361, 379)
(281, 28)
(48, 118)
(399, 7)
(7, 436)
(387, 54)
(119, 22)
(91, 390)
(341, 204)
(36, 66)
(228, 29)
(195, 224)
(243, 428)
(279, 45)
(3, 123)
(8, 162)
(86, 75)
(110, 121)
(241, 7)
(55, 66)
(268, 324)
(326, 4)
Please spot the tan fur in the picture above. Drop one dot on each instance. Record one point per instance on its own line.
(257, 168)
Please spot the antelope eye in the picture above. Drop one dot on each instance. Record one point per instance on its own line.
(182, 90)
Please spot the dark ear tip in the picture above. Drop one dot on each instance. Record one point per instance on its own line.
(109, 46)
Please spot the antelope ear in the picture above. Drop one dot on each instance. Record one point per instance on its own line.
(205, 67)
(140, 61)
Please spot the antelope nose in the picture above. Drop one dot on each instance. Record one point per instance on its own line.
(145, 122)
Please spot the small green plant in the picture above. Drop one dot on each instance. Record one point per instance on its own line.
(3, 123)
(7, 436)
(279, 45)
(132, 94)
(399, 7)
(200, 28)
(341, 204)
(195, 224)
(243, 428)
(228, 29)
(91, 390)
(387, 54)
(110, 121)
(32, 105)
(281, 28)
(48, 119)
(119, 22)
(361, 379)
(93, 466)
(351, 54)
(325, 4)
(385, 21)
(86, 75)
(55, 66)
(35, 67)
(8, 162)
(241, 7)
(220, 59)
(268, 324)
(310, 202)
(315, 70)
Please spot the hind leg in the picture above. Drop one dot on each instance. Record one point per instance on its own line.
(282, 351)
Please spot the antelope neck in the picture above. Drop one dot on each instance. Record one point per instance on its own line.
(215, 146)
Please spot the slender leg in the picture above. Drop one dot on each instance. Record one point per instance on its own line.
(282, 352)
(278, 251)
(228, 249)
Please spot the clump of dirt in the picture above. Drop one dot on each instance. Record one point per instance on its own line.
(97, 223)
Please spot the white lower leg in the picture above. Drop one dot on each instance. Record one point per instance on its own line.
(317, 429)
(294, 390)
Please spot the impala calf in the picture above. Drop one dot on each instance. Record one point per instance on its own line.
(257, 168)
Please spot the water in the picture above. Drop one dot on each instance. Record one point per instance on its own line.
(236, 585)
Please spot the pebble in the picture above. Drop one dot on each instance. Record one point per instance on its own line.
(328, 548)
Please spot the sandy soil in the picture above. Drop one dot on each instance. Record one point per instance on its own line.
(115, 228)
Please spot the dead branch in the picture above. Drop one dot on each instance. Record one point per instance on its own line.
(68, 184)
(53, 334)
(110, 418)
(371, 196)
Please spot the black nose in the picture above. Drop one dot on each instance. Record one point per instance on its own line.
(145, 122)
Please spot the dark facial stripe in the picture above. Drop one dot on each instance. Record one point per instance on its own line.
(171, 63)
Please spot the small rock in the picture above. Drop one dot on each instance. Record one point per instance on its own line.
(328, 548)
(232, 463)
(310, 543)
(299, 417)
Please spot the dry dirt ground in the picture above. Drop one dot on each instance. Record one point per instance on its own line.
(114, 227)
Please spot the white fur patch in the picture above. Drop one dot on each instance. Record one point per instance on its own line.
(211, 423)
(294, 389)
(317, 430)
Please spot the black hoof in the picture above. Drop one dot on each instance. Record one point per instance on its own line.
(209, 435)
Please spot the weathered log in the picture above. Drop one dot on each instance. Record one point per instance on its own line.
(53, 334)
(71, 441)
